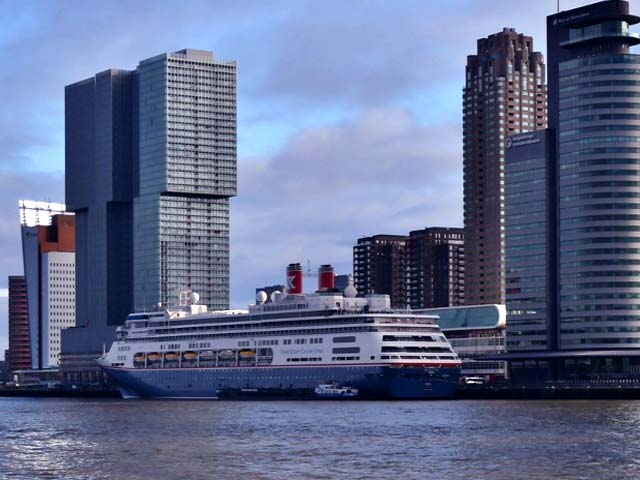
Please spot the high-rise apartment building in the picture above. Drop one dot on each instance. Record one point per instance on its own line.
(151, 165)
(504, 94)
(19, 339)
(380, 266)
(436, 267)
(48, 251)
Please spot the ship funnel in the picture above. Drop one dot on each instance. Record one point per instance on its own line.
(326, 278)
(294, 279)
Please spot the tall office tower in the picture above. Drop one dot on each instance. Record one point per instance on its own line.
(504, 94)
(151, 165)
(593, 90)
(99, 182)
(48, 252)
(19, 342)
(436, 267)
(529, 227)
(380, 266)
(187, 173)
(591, 179)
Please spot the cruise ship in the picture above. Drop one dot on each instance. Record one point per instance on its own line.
(284, 348)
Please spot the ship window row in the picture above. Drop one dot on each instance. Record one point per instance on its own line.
(342, 359)
(288, 332)
(416, 349)
(207, 324)
(305, 359)
(411, 338)
(247, 329)
(417, 357)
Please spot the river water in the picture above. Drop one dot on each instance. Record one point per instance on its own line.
(116, 439)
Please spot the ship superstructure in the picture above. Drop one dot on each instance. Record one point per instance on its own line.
(284, 348)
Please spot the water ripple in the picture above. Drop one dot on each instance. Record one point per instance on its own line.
(112, 440)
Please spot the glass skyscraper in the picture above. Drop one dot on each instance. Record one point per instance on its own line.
(187, 173)
(529, 240)
(597, 124)
(592, 177)
(150, 167)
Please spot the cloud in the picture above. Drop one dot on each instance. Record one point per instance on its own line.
(383, 172)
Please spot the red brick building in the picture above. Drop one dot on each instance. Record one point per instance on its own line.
(19, 344)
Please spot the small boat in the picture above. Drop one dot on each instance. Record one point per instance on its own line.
(192, 356)
(227, 354)
(247, 353)
(331, 390)
(139, 357)
(207, 355)
(171, 356)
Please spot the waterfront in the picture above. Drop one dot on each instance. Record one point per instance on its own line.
(113, 439)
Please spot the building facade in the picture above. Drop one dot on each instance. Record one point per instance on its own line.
(593, 253)
(529, 238)
(151, 164)
(596, 119)
(476, 333)
(504, 94)
(19, 353)
(58, 277)
(187, 173)
(436, 267)
(99, 158)
(380, 266)
(48, 252)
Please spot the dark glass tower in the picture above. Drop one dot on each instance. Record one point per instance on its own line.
(99, 190)
(594, 109)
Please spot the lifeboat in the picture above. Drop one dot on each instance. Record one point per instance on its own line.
(190, 356)
(227, 354)
(139, 357)
(207, 355)
(171, 356)
(247, 353)
(154, 357)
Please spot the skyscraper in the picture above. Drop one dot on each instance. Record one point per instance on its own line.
(591, 176)
(150, 167)
(436, 267)
(593, 90)
(99, 179)
(529, 227)
(187, 173)
(504, 94)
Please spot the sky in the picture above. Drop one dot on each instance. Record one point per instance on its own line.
(349, 113)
